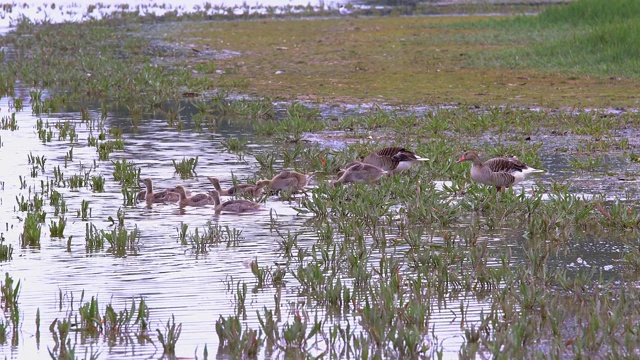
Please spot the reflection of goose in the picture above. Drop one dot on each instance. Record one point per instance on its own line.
(499, 172)
(254, 190)
(393, 159)
(288, 181)
(194, 200)
(235, 205)
(360, 172)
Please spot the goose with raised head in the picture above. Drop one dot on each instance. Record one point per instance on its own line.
(254, 190)
(235, 205)
(151, 197)
(499, 172)
(288, 181)
(360, 172)
(393, 159)
(193, 200)
(166, 195)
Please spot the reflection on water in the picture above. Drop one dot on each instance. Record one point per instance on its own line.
(196, 288)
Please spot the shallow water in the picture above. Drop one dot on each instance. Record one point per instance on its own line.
(82, 10)
(171, 277)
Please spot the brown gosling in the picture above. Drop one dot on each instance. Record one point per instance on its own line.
(499, 172)
(361, 172)
(288, 181)
(393, 159)
(255, 190)
(194, 200)
(235, 205)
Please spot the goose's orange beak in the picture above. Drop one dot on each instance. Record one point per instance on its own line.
(462, 158)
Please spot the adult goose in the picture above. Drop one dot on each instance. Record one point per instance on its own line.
(393, 159)
(151, 197)
(288, 181)
(194, 200)
(235, 205)
(254, 190)
(360, 172)
(499, 172)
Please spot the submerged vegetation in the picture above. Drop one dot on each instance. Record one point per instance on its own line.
(365, 271)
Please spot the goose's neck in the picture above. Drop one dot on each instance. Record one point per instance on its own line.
(476, 161)
(216, 199)
(216, 185)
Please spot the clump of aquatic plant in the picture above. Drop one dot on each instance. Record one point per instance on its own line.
(119, 217)
(169, 337)
(182, 233)
(235, 145)
(30, 236)
(186, 168)
(255, 109)
(77, 181)
(60, 330)
(122, 242)
(235, 341)
(105, 148)
(97, 183)
(6, 250)
(213, 234)
(9, 122)
(126, 173)
(57, 228)
(9, 292)
(94, 239)
(85, 212)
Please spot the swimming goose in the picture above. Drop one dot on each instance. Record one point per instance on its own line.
(499, 172)
(288, 181)
(169, 195)
(360, 172)
(254, 190)
(149, 196)
(235, 205)
(393, 159)
(194, 200)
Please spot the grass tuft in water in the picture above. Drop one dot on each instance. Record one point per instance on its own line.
(31, 232)
(6, 250)
(236, 342)
(57, 228)
(186, 168)
(169, 337)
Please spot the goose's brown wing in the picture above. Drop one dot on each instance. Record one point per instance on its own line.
(199, 197)
(390, 151)
(503, 164)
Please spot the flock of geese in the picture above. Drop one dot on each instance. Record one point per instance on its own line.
(501, 172)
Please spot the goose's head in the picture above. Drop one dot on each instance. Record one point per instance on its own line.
(180, 190)
(468, 156)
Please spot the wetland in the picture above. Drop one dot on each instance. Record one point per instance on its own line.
(425, 264)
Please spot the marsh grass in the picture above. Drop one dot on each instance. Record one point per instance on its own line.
(30, 236)
(235, 145)
(212, 234)
(169, 337)
(56, 229)
(122, 241)
(6, 250)
(186, 168)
